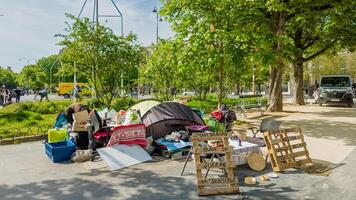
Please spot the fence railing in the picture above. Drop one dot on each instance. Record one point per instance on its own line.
(13, 133)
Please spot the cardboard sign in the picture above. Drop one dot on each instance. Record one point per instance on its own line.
(121, 156)
(286, 148)
(81, 117)
(214, 186)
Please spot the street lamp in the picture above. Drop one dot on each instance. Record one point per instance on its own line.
(155, 10)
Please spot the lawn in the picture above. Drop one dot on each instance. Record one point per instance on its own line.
(28, 118)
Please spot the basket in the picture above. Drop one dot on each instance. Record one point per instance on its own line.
(256, 161)
(57, 135)
(59, 151)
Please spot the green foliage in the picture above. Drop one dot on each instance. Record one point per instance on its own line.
(119, 103)
(160, 69)
(50, 66)
(215, 41)
(7, 78)
(123, 103)
(210, 105)
(31, 76)
(100, 56)
(17, 121)
(45, 107)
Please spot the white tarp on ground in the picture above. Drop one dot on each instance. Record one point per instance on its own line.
(121, 156)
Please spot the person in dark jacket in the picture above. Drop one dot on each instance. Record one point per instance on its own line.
(17, 94)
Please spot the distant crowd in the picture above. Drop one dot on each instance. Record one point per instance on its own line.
(6, 95)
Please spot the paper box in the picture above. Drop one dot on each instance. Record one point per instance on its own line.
(81, 117)
(79, 127)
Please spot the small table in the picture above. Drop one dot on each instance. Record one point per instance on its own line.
(240, 152)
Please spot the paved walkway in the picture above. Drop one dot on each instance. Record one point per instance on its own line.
(26, 172)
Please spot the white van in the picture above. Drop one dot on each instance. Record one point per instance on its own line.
(336, 89)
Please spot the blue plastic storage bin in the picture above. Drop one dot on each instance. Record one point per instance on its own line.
(59, 151)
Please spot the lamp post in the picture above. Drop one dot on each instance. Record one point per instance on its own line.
(155, 10)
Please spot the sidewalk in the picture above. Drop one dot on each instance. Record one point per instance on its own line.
(26, 172)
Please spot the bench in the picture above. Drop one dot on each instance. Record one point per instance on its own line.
(243, 107)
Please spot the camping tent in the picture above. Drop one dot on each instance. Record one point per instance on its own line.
(167, 117)
(145, 105)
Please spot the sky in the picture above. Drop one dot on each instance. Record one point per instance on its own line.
(27, 27)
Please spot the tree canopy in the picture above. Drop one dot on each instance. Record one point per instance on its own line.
(96, 53)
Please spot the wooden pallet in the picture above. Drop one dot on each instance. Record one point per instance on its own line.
(214, 186)
(286, 148)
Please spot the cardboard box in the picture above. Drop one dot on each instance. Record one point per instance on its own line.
(79, 127)
(81, 117)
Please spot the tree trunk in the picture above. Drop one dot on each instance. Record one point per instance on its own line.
(237, 87)
(298, 78)
(254, 80)
(275, 97)
(221, 81)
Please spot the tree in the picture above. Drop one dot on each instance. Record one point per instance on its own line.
(315, 27)
(160, 69)
(101, 56)
(210, 27)
(50, 66)
(32, 76)
(7, 78)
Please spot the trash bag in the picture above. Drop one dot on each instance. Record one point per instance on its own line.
(132, 117)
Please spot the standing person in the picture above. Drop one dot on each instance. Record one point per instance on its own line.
(17, 94)
(5, 95)
(2, 96)
(43, 94)
(77, 91)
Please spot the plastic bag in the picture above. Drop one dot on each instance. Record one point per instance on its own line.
(132, 117)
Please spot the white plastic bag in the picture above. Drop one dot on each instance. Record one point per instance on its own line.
(132, 117)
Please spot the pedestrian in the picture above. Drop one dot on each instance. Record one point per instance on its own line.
(2, 95)
(43, 94)
(76, 93)
(316, 95)
(17, 94)
(5, 95)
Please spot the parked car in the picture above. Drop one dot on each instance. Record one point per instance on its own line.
(189, 93)
(336, 89)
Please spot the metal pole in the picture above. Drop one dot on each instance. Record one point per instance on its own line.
(97, 12)
(81, 10)
(157, 28)
(122, 18)
(50, 80)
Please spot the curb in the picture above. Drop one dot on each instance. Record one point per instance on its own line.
(19, 140)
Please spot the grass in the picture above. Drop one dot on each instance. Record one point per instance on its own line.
(16, 120)
(211, 104)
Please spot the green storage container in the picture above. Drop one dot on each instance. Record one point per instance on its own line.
(57, 135)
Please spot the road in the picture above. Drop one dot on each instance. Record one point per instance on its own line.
(31, 97)
(51, 97)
